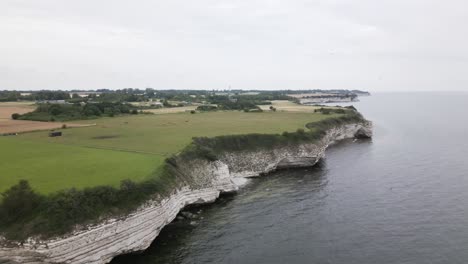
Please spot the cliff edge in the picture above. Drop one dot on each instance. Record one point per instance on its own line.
(205, 181)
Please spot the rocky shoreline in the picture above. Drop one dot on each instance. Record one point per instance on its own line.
(101, 243)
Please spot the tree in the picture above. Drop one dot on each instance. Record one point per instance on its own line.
(18, 202)
(92, 110)
(109, 111)
(166, 104)
(55, 109)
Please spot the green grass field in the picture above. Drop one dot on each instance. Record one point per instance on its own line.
(51, 167)
(129, 147)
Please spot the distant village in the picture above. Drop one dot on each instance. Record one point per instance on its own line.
(162, 98)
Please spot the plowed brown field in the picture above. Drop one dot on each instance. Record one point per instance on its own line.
(7, 125)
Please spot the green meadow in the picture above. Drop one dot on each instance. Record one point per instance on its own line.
(50, 167)
(128, 147)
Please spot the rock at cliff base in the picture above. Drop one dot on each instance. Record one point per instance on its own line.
(363, 133)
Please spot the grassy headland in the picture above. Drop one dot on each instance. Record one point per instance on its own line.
(79, 177)
(124, 147)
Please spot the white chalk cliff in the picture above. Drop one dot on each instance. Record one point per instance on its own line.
(100, 243)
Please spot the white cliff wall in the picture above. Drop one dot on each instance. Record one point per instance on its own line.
(100, 243)
(325, 100)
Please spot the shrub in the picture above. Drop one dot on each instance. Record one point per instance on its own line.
(253, 110)
(15, 116)
(55, 109)
(91, 110)
(109, 111)
(134, 112)
(337, 110)
(18, 203)
(192, 112)
(207, 108)
(64, 126)
(207, 153)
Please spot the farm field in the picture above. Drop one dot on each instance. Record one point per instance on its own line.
(128, 147)
(9, 108)
(288, 106)
(168, 134)
(8, 125)
(21, 126)
(172, 110)
(52, 167)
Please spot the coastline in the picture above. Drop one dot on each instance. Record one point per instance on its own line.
(100, 243)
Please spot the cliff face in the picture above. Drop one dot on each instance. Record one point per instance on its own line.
(327, 99)
(205, 181)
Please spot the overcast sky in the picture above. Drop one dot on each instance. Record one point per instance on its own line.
(375, 45)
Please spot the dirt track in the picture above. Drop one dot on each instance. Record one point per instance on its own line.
(20, 126)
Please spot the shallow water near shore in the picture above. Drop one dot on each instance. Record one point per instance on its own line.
(401, 197)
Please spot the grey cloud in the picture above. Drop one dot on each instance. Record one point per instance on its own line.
(251, 44)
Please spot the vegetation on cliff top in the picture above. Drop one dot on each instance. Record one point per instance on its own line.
(51, 211)
(25, 213)
(316, 130)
